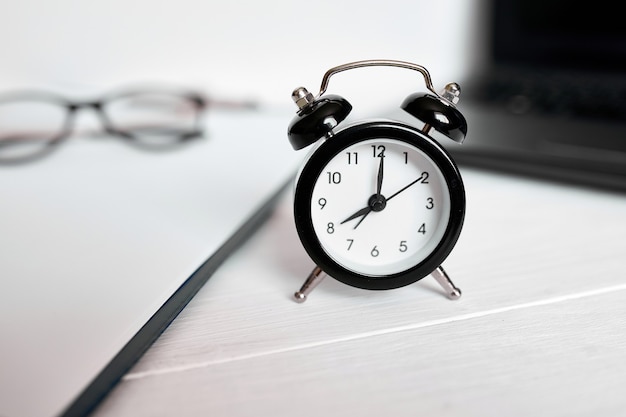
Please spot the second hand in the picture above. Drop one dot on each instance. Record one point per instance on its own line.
(422, 178)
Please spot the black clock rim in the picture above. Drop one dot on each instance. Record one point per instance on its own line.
(338, 142)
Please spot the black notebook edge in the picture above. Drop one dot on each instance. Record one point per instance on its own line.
(104, 382)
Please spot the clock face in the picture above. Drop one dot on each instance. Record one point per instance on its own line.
(384, 231)
(379, 205)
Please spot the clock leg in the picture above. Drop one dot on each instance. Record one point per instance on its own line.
(443, 279)
(315, 277)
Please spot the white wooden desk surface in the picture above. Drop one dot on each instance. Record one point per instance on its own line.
(539, 330)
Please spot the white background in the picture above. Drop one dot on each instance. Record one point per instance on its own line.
(252, 49)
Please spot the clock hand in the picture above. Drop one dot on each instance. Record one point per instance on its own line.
(376, 203)
(405, 187)
(362, 218)
(373, 200)
(379, 182)
(362, 212)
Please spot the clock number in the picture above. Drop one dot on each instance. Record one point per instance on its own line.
(422, 229)
(374, 252)
(330, 228)
(380, 149)
(353, 158)
(334, 177)
(430, 203)
(322, 202)
(406, 157)
(350, 242)
(403, 246)
(424, 178)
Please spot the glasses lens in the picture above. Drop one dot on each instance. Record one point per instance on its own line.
(154, 119)
(27, 128)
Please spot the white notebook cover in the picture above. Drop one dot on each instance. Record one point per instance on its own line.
(96, 237)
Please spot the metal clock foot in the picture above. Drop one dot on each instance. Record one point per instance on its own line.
(315, 277)
(452, 292)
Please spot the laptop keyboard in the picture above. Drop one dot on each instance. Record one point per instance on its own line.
(570, 95)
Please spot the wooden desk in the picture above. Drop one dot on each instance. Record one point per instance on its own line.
(539, 330)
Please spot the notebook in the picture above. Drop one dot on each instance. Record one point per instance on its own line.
(102, 244)
(550, 98)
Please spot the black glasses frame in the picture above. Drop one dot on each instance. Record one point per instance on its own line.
(195, 99)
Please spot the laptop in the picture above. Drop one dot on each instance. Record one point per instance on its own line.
(103, 244)
(549, 100)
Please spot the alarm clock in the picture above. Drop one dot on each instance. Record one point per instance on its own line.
(378, 204)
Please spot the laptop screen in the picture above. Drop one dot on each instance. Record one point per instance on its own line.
(559, 34)
(550, 99)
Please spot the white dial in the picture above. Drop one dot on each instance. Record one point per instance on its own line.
(380, 207)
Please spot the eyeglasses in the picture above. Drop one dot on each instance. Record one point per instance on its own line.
(33, 123)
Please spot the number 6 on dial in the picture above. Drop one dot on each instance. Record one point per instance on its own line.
(378, 204)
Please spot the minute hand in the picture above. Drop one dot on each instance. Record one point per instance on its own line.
(421, 178)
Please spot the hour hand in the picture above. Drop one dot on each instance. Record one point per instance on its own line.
(363, 212)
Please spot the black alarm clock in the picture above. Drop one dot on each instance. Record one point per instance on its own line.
(378, 204)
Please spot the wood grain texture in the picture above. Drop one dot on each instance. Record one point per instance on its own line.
(538, 330)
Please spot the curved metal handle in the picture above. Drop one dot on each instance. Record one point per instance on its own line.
(377, 63)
